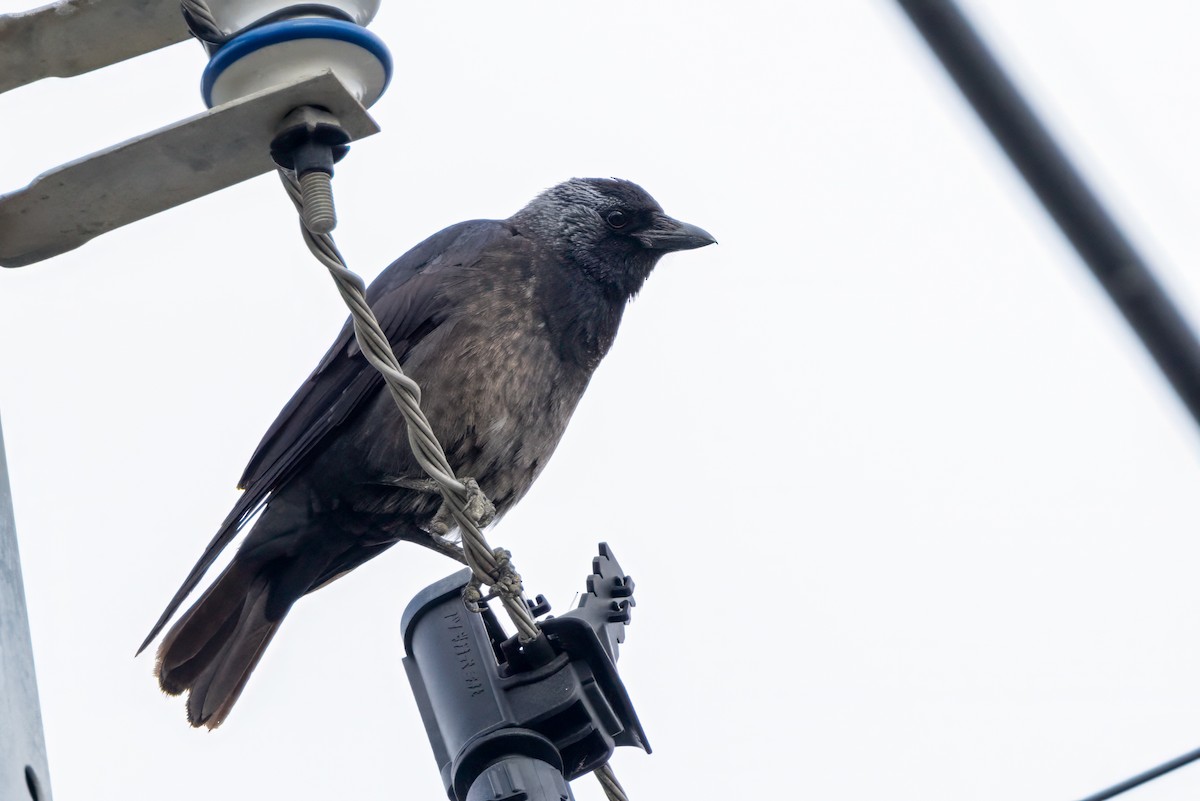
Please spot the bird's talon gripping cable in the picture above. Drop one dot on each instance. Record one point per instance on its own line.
(443, 521)
(478, 507)
(473, 597)
(505, 579)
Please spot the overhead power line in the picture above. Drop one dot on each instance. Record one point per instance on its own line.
(1142, 778)
(1083, 219)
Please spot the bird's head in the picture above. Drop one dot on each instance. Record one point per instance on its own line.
(613, 230)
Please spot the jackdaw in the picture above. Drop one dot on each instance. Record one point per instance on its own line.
(502, 323)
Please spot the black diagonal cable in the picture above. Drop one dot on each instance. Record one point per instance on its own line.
(1120, 269)
(1142, 778)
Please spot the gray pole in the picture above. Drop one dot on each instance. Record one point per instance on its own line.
(23, 770)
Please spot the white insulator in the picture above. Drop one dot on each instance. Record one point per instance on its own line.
(282, 52)
(234, 15)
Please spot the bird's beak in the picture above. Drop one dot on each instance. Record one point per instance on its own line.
(669, 234)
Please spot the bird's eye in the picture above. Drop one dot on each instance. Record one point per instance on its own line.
(617, 218)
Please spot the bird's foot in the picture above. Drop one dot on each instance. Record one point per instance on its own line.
(472, 595)
(505, 581)
(479, 510)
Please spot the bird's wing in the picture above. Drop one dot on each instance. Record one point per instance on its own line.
(409, 302)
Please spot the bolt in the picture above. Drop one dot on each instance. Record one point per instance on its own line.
(316, 191)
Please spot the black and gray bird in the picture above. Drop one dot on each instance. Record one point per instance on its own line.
(502, 323)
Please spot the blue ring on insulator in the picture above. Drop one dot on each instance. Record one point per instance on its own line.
(288, 31)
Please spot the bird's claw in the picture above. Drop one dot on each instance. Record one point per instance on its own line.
(481, 510)
(478, 508)
(473, 596)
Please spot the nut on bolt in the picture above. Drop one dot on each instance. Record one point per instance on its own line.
(309, 141)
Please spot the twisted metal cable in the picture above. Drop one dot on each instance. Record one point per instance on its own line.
(200, 21)
(462, 497)
(608, 780)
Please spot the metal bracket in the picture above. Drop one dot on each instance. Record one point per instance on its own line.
(65, 207)
(72, 37)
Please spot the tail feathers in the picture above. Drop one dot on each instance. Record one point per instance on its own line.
(247, 506)
(211, 651)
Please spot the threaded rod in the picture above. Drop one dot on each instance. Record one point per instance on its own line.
(316, 189)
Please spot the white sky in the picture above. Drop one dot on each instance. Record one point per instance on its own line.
(911, 513)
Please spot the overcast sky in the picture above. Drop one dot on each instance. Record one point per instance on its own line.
(911, 513)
